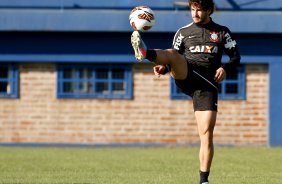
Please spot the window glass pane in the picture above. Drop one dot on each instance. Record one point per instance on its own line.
(102, 73)
(178, 90)
(231, 88)
(4, 72)
(85, 73)
(68, 73)
(118, 73)
(85, 87)
(4, 87)
(232, 75)
(69, 87)
(118, 87)
(102, 87)
(219, 88)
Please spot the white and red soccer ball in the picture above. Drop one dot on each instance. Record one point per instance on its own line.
(142, 18)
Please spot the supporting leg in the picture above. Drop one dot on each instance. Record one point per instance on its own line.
(206, 121)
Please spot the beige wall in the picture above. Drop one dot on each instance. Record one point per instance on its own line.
(151, 117)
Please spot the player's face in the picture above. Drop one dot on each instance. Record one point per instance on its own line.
(200, 16)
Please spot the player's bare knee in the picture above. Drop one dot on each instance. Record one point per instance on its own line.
(206, 134)
(206, 140)
(172, 55)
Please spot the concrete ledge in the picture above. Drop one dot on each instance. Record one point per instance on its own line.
(113, 58)
(117, 20)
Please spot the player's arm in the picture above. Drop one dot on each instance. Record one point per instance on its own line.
(160, 70)
(220, 74)
(231, 49)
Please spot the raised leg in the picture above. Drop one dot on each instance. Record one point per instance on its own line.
(177, 62)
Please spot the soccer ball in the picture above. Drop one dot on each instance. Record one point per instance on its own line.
(142, 18)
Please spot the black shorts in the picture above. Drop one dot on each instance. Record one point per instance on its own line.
(200, 85)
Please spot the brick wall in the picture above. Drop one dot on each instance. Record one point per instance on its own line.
(151, 117)
(246, 122)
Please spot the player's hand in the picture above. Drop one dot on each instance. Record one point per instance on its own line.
(159, 70)
(220, 74)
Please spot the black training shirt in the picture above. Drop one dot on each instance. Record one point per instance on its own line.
(203, 46)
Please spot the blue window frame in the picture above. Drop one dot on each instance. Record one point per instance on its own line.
(9, 80)
(103, 81)
(232, 88)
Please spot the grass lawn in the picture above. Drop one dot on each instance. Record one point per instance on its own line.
(138, 165)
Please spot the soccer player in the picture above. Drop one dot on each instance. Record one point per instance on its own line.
(194, 61)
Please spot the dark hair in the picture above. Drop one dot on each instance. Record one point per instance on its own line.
(204, 4)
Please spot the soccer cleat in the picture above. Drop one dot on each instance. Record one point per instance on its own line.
(205, 183)
(139, 46)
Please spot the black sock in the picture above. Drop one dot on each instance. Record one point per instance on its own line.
(151, 55)
(204, 176)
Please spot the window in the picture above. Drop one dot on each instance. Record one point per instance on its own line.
(232, 88)
(104, 81)
(8, 80)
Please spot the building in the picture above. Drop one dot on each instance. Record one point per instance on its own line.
(68, 75)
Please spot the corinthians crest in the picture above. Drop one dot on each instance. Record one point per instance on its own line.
(214, 36)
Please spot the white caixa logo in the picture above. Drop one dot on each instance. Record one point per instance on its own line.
(203, 49)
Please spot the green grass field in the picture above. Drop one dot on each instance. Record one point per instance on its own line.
(138, 165)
